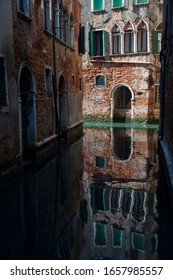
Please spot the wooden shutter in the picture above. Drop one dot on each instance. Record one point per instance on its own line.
(97, 5)
(81, 41)
(91, 43)
(155, 42)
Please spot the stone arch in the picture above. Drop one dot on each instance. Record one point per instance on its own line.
(63, 103)
(122, 100)
(27, 111)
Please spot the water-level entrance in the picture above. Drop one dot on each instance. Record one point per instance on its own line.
(96, 198)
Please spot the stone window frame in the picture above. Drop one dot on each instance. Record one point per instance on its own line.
(5, 82)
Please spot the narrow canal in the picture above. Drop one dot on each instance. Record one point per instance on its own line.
(102, 196)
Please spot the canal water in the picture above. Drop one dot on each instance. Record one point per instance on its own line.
(102, 196)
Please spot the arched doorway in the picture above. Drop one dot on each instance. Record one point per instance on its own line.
(122, 104)
(27, 106)
(63, 104)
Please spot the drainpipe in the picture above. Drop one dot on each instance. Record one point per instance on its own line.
(57, 127)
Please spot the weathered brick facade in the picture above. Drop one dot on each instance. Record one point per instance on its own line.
(44, 73)
(137, 71)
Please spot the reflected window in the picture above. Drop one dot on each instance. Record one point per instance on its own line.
(100, 162)
(138, 205)
(100, 234)
(126, 201)
(100, 198)
(115, 200)
(117, 237)
(121, 144)
(137, 241)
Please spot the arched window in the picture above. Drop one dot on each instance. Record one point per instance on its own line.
(142, 44)
(128, 38)
(116, 40)
(61, 21)
(65, 25)
(71, 31)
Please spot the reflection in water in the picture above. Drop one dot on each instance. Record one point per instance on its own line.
(120, 182)
(94, 199)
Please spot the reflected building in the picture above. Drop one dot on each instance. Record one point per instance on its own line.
(120, 180)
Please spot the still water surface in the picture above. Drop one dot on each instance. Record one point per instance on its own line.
(96, 198)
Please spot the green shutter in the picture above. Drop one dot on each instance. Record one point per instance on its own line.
(91, 43)
(97, 5)
(155, 42)
(141, 1)
(104, 42)
(117, 3)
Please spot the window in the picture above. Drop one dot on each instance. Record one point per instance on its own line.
(71, 31)
(48, 83)
(116, 40)
(65, 25)
(100, 81)
(24, 6)
(128, 39)
(118, 3)
(81, 40)
(97, 5)
(56, 19)
(97, 43)
(80, 84)
(157, 39)
(141, 2)
(3, 84)
(47, 15)
(100, 198)
(61, 21)
(142, 37)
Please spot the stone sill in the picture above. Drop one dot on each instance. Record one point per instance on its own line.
(24, 17)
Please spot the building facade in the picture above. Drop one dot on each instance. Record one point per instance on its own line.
(41, 79)
(121, 62)
(166, 93)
